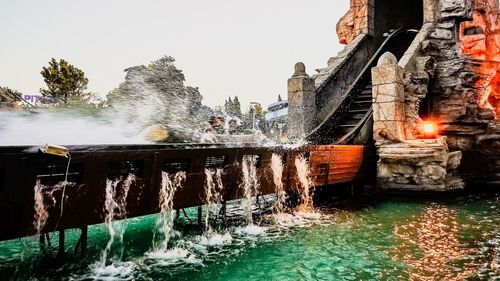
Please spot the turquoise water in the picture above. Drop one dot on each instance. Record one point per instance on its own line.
(386, 239)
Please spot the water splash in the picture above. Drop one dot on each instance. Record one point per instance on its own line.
(277, 168)
(213, 193)
(41, 214)
(250, 185)
(303, 172)
(115, 207)
(44, 199)
(165, 220)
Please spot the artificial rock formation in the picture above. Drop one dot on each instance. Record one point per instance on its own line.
(451, 76)
(448, 75)
(404, 162)
(355, 21)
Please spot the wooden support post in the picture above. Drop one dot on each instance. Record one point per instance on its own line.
(41, 241)
(47, 237)
(84, 237)
(224, 209)
(200, 216)
(60, 251)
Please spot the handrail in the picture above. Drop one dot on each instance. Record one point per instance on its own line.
(367, 67)
(361, 123)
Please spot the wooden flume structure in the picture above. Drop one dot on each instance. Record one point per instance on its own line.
(91, 166)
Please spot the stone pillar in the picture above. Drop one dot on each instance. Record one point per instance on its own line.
(388, 100)
(430, 11)
(301, 102)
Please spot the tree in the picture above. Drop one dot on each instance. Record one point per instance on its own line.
(63, 81)
(259, 111)
(237, 107)
(233, 107)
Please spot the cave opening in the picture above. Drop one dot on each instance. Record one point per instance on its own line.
(390, 14)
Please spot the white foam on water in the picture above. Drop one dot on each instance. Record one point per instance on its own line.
(250, 230)
(114, 271)
(215, 239)
(173, 256)
(299, 219)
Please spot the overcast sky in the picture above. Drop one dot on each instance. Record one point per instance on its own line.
(224, 47)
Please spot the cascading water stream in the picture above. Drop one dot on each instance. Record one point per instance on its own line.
(213, 193)
(164, 223)
(277, 169)
(249, 184)
(44, 199)
(303, 171)
(41, 214)
(115, 207)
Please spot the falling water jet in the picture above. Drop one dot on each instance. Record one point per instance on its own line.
(303, 171)
(165, 220)
(277, 168)
(115, 206)
(41, 215)
(44, 199)
(213, 193)
(249, 184)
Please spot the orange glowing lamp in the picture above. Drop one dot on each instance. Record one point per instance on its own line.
(429, 129)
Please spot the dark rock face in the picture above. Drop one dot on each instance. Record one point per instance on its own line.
(462, 81)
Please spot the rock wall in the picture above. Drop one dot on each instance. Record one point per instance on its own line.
(356, 21)
(452, 77)
(406, 162)
(462, 94)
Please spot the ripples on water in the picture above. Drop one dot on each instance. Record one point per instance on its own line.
(391, 240)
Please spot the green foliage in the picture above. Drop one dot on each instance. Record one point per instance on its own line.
(259, 111)
(7, 94)
(63, 81)
(233, 107)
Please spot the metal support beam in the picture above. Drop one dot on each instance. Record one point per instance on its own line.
(62, 235)
(224, 210)
(200, 215)
(82, 242)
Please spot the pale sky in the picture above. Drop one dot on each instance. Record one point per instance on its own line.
(224, 47)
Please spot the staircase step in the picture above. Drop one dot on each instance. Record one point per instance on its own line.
(351, 122)
(363, 101)
(365, 97)
(357, 116)
(359, 110)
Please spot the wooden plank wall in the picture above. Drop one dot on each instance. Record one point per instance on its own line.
(333, 164)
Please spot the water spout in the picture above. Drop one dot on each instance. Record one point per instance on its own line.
(306, 184)
(115, 207)
(213, 192)
(165, 220)
(277, 168)
(249, 184)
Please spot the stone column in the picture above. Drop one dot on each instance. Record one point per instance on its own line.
(301, 102)
(388, 100)
(430, 10)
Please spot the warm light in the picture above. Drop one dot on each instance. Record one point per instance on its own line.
(429, 129)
